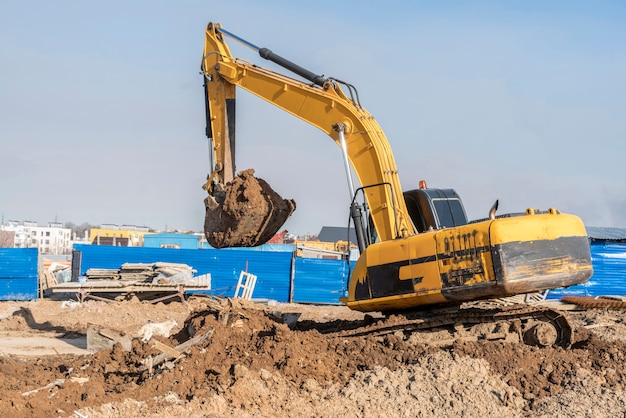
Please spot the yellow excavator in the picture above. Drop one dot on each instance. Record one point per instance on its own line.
(417, 248)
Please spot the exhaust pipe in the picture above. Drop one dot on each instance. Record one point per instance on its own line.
(492, 211)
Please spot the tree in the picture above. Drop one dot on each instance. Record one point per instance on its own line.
(7, 239)
(79, 230)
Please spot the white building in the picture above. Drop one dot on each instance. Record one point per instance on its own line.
(51, 239)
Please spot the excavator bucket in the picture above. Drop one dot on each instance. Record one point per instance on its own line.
(246, 213)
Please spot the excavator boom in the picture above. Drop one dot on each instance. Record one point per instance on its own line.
(323, 104)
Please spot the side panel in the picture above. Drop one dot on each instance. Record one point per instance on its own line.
(464, 257)
(396, 274)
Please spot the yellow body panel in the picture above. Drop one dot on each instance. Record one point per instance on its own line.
(536, 227)
(463, 250)
(494, 258)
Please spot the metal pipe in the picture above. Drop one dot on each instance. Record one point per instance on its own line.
(340, 128)
(492, 211)
(238, 39)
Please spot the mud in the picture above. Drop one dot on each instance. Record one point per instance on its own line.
(247, 213)
(255, 365)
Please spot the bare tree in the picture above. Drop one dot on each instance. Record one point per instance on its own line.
(79, 230)
(7, 239)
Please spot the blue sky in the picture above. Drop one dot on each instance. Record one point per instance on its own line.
(102, 114)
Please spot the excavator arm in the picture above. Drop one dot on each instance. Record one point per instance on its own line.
(220, 116)
(321, 103)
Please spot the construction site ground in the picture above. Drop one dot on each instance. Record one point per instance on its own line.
(236, 360)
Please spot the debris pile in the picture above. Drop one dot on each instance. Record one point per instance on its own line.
(157, 273)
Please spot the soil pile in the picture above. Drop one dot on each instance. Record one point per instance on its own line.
(252, 364)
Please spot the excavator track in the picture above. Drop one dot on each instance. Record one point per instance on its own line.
(531, 325)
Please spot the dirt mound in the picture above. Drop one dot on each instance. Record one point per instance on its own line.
(247, 213)
(254, 365)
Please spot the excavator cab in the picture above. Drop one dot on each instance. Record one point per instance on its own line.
(429, 209)
(434, 208)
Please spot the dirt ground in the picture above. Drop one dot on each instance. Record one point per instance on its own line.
(246, 363)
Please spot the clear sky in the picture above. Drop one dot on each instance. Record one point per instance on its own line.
(102, 113)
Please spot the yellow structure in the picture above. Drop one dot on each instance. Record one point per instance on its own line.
(130, 236)
(320, 249)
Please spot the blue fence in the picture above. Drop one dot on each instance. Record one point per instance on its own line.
(609, 273)
(319, 280)
(271, 268)
(18, 273)
(279, 273)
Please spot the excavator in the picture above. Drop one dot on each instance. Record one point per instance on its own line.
(419, 253)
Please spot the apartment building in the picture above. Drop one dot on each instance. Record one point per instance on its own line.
(51, 239)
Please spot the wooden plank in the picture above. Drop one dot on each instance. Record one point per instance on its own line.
(150, 362)
(166, 349)
(120, 288)
(100, 338)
